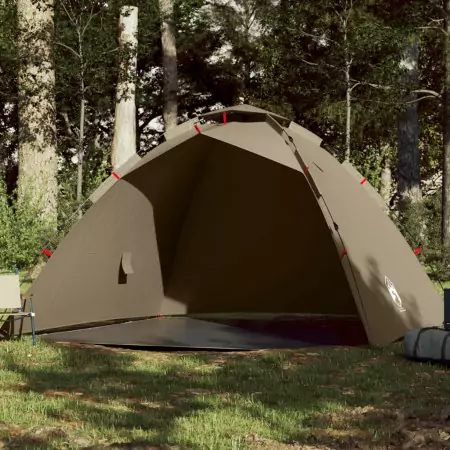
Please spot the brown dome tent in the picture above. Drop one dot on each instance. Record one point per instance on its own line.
(244, 219)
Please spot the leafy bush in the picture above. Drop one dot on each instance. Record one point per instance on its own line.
(421, 227)
(23, 231)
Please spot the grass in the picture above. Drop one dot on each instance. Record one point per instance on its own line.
(66, 396)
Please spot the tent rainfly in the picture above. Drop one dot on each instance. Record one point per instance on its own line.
(246, 216)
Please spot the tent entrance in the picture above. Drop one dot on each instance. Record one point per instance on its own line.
(253, 239)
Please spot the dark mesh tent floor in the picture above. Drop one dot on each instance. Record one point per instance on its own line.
(222, 333)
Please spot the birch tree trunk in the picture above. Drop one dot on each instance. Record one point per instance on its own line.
(408, 168)
(246, 66)
(348, 90)
(80, 154)
(124, 141)
(386, 176)
(80, 161)
(169, 48)
(38, 165)
(446, 157)
(348, 123)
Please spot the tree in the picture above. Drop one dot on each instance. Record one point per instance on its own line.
(124, 143)
(8, 92)
(408, 171)
(334, 63)
(170, 69)
(242, 24)
(446, 156)
(38, 166)
(87, 54)
(80, 21)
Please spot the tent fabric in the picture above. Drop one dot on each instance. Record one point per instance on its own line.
(392, 290)
(243, 112)
(113, 178)
(251, 216)
(365, 184)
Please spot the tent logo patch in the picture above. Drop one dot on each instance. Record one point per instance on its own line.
(394, 294)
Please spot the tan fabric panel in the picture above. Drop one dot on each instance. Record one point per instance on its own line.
(111, 180)
(9, 291)
(304, 133)
(255, 240)
(258, 138)
(384, 266)
(81, 281)
(366, 185)
(142, 214)
(102, 189)
(175, 141)
(168, 183)
(243, 109)
(184, 127)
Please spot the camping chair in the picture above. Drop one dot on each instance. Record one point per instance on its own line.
(13, 304)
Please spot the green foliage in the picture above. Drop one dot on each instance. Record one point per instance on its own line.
(369, 163)
(421, 226)
(97, 171)
(8, 79)
(22, 231)
(306, 63)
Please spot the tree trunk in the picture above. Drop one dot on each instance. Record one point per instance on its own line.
(246, 64)
(82, 119)
(38, 165)
(124, 142)
(408, 168)
(348, 121)
(80, 153)
(169, 49)
(446, 158)
(348, 94)
(386, 177)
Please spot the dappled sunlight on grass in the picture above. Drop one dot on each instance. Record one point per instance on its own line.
(73, 397)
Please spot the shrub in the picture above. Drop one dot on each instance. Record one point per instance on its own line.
(421, 227)
(23, 231)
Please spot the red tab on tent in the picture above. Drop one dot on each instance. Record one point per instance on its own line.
(363, 181)
(343, 253)
(417, 251)
(47, 252)
(198, 129)
(116, 176)
(225, 118)
(160, 316)
(306, 170)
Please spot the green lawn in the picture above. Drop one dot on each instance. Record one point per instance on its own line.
(61, 396)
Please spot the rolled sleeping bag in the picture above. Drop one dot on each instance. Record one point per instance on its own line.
(428, 344)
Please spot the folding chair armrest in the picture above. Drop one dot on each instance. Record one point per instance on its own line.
(22, 314)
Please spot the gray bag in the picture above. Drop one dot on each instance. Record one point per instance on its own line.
(427, 344)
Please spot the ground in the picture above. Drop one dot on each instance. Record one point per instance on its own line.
(57, 396)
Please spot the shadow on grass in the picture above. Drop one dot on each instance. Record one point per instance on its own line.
(105, 398)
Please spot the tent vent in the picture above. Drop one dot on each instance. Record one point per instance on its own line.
(125, 268)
